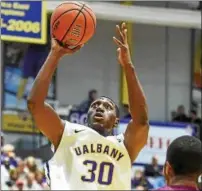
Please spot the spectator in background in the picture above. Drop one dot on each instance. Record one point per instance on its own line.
(4, 175)
(2, 139)
(194, 119)
(30, 165)
(140, 188)
(8, 152)
(17, 174)
(154, 174)
(19, 185)
(173, 114)
(180, 115)
(194, 105)
(2, 144)
(126, 111)
(13, 177)
(153, 169)
(92, 96)
(8, 163)
(140, 180)
(21, 168)
(39, 176)
(31, 183)
(22, 177)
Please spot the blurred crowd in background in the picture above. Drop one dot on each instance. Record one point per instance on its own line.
(18, 173)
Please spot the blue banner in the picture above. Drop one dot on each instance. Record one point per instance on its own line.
(77, 117)
(21, 65)
(24, 21)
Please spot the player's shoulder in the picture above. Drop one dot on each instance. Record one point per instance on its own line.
(71, 128)
(117, 138)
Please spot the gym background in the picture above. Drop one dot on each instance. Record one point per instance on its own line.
(167, 57)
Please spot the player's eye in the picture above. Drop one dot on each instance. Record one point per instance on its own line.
(95, 105)
(108, 107)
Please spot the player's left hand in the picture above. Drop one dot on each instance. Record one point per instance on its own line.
(61, 50)
(123, 50)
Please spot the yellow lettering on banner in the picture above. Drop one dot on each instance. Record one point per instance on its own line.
(12, 122)
(14, 9)
(19, 24)
(6, 5)
(7, 12)
(36, 27)
(3, 25)
(21, 6)
(23, 26)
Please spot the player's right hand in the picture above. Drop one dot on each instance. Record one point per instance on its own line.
(60, 50)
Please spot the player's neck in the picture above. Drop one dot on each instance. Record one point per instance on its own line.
(183, 181)
(101, 131)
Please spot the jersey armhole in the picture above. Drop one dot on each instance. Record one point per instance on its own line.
(47, 173)
(120, 137)
(66, 132)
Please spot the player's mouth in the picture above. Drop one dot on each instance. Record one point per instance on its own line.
(98, 116)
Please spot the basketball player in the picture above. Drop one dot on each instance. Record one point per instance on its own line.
(183, 164)
(90, 158)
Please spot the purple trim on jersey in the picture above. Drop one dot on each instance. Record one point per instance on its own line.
(33, 61)
(180, 187)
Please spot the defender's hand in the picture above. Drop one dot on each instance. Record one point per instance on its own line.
(60, 50)
(123, 50)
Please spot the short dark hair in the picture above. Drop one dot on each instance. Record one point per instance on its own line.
(93, 91)
(116, 107)
(184, 155)
(194, 112)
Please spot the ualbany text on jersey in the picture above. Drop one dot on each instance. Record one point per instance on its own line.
(99, 148)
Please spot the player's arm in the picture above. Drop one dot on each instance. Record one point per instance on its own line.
(46, 119)
(137, 130)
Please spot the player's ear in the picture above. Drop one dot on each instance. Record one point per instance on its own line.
(165, 170)
(168, 171)
(116, 122)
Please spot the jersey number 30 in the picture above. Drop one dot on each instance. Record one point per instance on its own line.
(105, 172)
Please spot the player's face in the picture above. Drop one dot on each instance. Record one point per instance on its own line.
(102, 115)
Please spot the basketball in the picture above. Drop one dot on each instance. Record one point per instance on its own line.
(73, 23)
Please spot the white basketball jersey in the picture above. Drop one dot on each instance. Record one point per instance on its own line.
(85, 160)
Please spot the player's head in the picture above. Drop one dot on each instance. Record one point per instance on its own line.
(103, 115)
(92, 95)
(183, 159)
